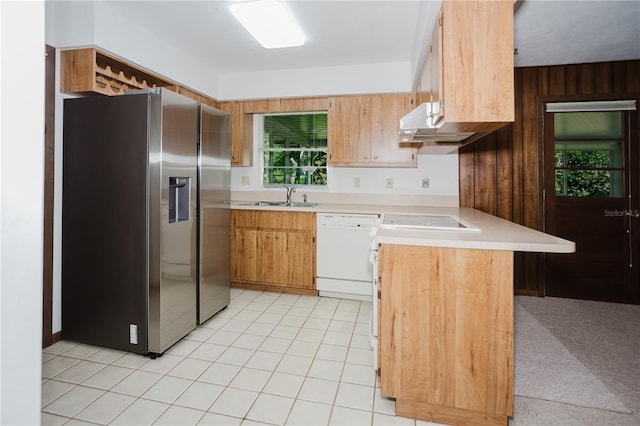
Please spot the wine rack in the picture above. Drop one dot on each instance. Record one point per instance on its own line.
(91, 70)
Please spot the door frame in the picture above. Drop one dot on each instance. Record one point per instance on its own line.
(49, 159)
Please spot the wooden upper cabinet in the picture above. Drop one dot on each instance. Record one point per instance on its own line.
(241, 133)
(363, 130)
(92, 70)
(471, 65)
(386, 112)
(349, 130)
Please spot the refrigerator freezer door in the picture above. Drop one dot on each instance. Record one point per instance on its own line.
(104, 222)
(214, 215)
(172, 243)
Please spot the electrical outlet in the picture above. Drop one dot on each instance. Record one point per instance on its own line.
(425, 182)
(389, 183)
(356, 182)
(244, 180)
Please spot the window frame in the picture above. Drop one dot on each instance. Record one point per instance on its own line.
(262, 150)
(611, 170)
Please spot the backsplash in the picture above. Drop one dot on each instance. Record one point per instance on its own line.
(362, 185)
(278, 194)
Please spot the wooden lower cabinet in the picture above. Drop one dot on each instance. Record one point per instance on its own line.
(273, 251)
(446, 333)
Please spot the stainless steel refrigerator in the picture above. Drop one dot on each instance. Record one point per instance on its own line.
(130, 220)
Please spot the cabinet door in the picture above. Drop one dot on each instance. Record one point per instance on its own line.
(349, 138)
(240, 141)
(271, 255)
(452, 311)
(287, 258)
(386, 112)
(301, 259)
(245, 251)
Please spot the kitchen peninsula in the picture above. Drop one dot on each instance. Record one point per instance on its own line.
(445, 300)
(445, 304)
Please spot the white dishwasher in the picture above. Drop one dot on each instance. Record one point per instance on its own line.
(343, 267)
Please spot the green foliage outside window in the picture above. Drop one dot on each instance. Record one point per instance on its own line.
(588, 154)
(295, 149)
(586, 173)
(583, 183)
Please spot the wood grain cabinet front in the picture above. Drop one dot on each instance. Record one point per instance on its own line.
(446, 333)
(363, 130)
(470, 68)
(273, 251)
(241, 133)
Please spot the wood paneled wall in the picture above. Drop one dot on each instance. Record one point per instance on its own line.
(501, 174)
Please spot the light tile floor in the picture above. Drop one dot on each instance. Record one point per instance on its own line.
(269, 358)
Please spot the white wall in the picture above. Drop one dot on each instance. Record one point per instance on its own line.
(371, 78)
(21, 205)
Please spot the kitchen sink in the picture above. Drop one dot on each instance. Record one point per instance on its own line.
(265, 203)
(294, 204)
(279, 203)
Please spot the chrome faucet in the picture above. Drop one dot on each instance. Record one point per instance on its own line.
(290, 190)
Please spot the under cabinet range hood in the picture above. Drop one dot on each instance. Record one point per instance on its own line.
(422, 125)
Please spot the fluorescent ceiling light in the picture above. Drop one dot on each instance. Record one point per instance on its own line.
(269, 22)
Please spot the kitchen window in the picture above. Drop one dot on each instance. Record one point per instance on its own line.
(295, 148)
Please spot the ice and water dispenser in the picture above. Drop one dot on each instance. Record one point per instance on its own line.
(179, 198)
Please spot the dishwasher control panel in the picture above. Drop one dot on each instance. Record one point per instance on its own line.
(331, 220)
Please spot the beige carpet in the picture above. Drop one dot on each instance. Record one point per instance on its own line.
(545, 369)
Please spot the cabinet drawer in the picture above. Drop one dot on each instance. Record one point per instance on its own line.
(302, 221)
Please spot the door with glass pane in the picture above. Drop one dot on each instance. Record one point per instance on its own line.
(591, 172)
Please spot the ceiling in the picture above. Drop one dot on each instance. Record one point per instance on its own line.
(368, 32)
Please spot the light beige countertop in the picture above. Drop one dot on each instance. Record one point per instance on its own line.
(494, 233)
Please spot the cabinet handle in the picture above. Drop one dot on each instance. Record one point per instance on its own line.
(375, 157)
(365, 157)
(276, 237)
(267, 236)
